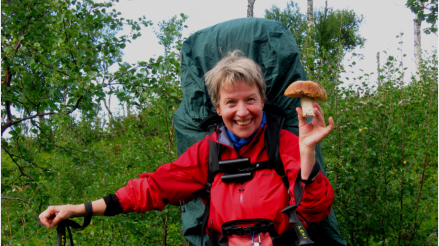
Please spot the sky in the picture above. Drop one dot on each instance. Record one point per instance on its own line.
(383, 21)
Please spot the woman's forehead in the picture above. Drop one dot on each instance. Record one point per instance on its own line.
(234, 82)
(239, 89)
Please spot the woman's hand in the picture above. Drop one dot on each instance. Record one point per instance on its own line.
(311, 134)
(55, 214)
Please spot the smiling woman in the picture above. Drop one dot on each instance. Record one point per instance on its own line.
(237, 89)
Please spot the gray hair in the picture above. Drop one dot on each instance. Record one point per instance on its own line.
(234, 67)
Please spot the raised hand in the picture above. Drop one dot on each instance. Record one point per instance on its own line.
(311, 134)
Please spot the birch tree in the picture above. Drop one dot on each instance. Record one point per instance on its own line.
(310, 15)
(55, 54)
(425, 10)
(330, 28)
(250, 5)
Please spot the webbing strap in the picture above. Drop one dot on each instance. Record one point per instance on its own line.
(213, 167)
(259, 226)
(66, 224)
(275, 121)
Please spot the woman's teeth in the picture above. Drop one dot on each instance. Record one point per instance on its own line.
(243, 123)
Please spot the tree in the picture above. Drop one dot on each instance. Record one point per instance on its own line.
(55, 58)
(291, 17)
(84, 152)
(310, 14)
(419, 7)
(54, 54)
(250, 5)
(331, 29)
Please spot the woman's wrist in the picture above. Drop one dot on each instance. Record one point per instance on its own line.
(77, 210)
(307, 162)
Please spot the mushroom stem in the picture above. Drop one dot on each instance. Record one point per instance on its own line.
(307, 107)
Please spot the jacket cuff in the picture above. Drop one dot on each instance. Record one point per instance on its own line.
(113, 205)
(315, 171)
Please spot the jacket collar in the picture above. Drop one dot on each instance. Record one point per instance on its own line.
(223, 138)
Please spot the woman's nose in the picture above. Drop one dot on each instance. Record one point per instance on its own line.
(242, 110)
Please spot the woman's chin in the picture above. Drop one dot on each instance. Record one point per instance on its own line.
(244, 131)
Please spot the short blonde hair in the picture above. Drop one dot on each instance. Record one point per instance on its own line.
(234, 67)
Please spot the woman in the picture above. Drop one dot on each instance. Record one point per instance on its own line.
(237, 89)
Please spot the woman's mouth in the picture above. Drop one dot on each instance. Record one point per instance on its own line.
(244, 123)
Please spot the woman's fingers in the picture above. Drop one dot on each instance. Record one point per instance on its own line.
(318, 124)
(53, 215)
(58, 218)
(47, 216)
(319, 115)
(331, 124)
(302, 120)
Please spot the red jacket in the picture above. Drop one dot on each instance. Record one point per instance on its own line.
(262, 197)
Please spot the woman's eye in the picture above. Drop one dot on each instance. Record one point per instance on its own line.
(230, 102)
(250, 100)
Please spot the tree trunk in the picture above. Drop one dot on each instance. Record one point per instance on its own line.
(110, 115)
(128, 108)
(418, 49)
(250, 5)
(165, 230)
(378, 69)
(310, 15)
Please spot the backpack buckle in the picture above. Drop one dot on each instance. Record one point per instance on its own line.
(253, 239)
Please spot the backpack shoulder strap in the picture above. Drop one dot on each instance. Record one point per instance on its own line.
(210, 124)
(275, 120)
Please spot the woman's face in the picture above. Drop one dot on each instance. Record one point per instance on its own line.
(241, 108)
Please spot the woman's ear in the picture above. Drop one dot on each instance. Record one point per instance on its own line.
(218, 110)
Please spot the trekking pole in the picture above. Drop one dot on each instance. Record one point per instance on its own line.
(66, 224)
(302, 234)
(300, 230)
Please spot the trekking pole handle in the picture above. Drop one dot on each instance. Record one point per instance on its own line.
(300, 230)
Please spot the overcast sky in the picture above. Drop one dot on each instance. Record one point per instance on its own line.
(383, 21)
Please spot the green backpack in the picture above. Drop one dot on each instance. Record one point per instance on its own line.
(272, 46)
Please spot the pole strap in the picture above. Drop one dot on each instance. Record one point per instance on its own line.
(66, 224)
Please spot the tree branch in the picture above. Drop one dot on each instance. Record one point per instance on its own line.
(28, 203)
(10, 122)
(31, 162)
(19, 167)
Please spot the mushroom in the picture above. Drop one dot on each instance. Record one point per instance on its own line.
(309, 92)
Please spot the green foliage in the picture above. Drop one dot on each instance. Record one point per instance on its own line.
(331, 28)
(421, 15)
(56, 56)
(70, 159)
(293, 19)
(381, 157)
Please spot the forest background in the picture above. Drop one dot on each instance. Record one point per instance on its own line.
(63, 142)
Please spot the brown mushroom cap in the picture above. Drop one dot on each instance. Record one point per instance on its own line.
(306, 88)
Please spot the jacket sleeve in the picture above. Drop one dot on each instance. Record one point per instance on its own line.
(170, 183)
(318, 196)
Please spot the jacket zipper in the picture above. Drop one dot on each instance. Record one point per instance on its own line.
(241, 190)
